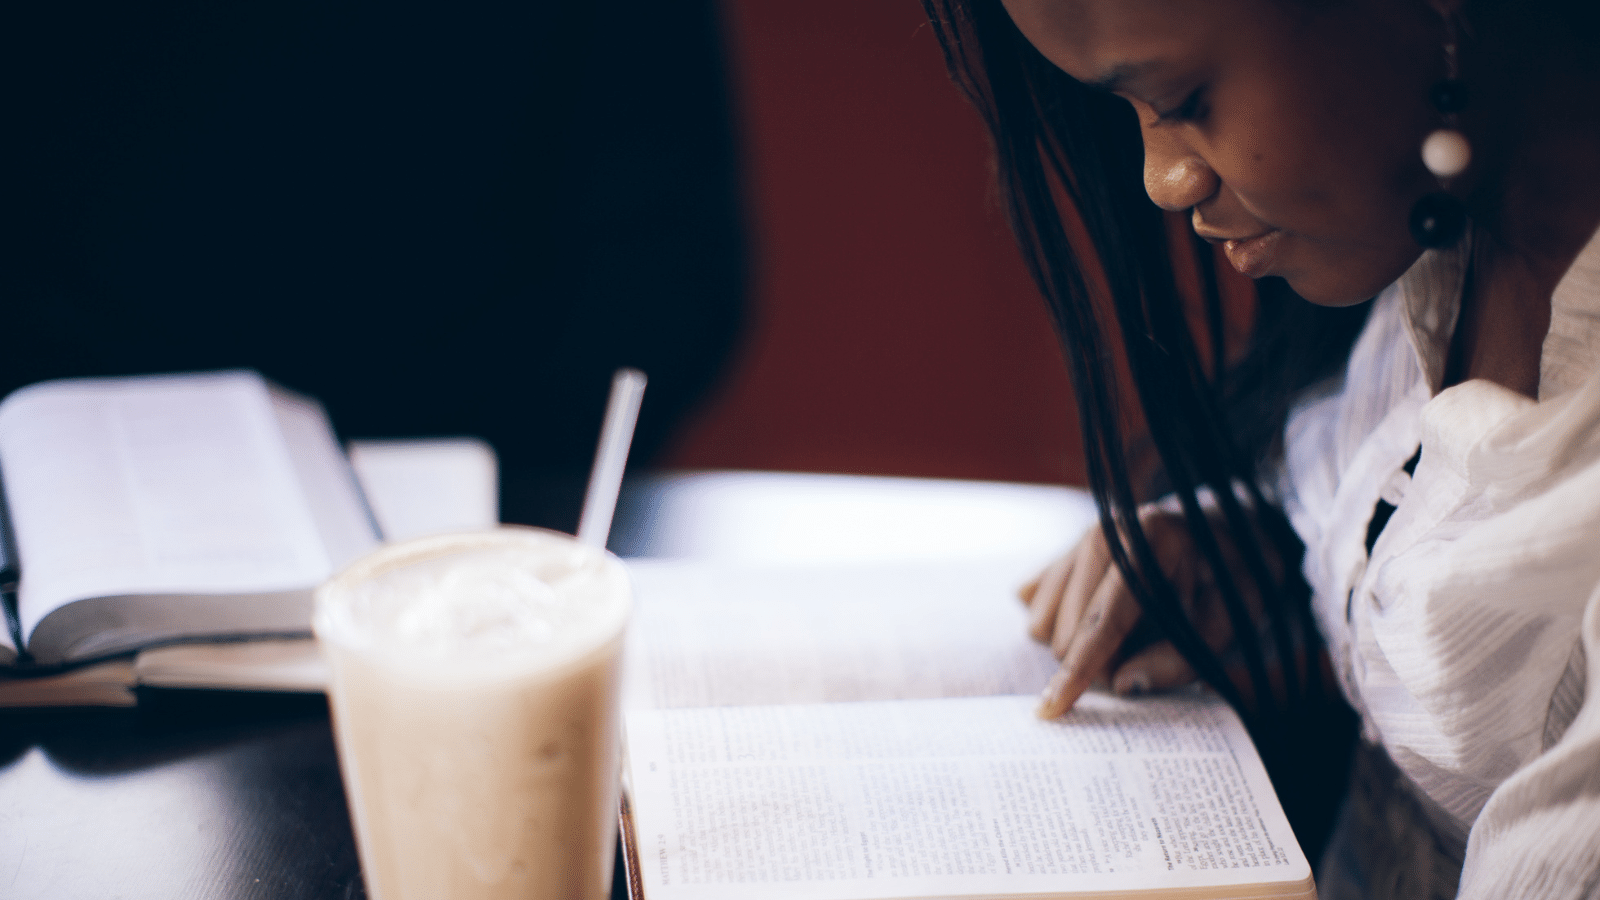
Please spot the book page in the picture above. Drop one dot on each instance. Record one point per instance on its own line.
(164, 484)
(970, 797)
(286, 666)
(427, 486)
(332, 492)
(711, 634)
(108, 683)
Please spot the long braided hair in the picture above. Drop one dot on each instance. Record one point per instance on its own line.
(1064, 149)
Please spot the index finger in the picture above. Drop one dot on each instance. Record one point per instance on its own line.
(1106, 621)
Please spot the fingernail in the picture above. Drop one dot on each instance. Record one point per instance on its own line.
(1135, 685)
(1051, 695)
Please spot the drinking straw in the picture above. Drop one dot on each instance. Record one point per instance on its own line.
(610, 456)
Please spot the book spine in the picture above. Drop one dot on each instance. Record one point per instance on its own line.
(10, 575)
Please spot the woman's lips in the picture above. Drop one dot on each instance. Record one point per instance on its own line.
(1254, 257)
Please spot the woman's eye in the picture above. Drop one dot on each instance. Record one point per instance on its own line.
(1192, 109)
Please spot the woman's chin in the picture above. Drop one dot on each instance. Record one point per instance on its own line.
(1337, 289)
(1348, 276)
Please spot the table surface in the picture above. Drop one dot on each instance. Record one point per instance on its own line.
(216, 795)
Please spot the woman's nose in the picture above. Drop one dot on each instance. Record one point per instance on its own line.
(1174, 175)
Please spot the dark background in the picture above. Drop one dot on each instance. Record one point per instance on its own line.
(439, 219)
(460, 220)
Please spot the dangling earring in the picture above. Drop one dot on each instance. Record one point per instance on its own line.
(1438, 219)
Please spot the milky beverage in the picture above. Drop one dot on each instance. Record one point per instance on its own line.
(473, 683)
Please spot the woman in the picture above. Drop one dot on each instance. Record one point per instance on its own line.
(1444, 482)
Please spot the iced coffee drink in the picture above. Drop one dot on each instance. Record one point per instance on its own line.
(473, 684)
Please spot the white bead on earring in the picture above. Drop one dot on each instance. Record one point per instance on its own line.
(1446, 153)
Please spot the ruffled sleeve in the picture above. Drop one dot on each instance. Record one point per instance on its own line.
(1539, 834)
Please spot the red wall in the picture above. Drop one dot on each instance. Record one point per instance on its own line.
(895, 330)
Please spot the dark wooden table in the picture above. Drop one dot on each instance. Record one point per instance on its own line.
(217, 795)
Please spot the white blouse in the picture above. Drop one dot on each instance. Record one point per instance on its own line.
(1470, 638)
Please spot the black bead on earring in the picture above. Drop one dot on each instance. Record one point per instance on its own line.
(1438, 219)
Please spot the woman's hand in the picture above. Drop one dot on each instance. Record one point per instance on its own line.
(1083, 609)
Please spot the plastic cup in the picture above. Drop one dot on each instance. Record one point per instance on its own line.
(473, 681)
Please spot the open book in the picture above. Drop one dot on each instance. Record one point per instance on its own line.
(161, 508)
(414, 486)
(845, 734)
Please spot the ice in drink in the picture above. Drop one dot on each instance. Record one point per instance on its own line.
(473, 683)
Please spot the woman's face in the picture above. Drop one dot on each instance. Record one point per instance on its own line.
(1291, 129)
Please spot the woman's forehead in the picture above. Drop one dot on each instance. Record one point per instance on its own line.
(1110, 42)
